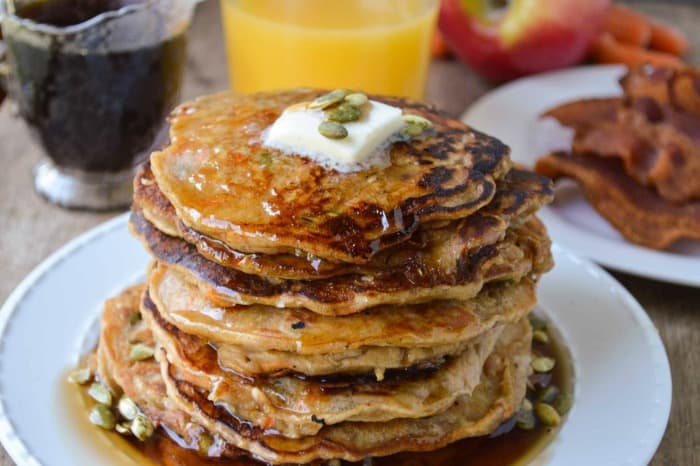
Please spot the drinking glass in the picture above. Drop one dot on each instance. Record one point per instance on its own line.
(378, 46)
(95, 94)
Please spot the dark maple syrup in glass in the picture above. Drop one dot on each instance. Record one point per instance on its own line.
(95, 111)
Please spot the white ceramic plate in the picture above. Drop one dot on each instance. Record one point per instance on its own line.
(623, 382)
(511, 113)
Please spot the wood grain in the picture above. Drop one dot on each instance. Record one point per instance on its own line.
(32, 229)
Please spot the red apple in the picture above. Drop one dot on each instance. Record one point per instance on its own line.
(524, 37)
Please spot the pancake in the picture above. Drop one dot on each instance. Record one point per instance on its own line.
(524, 251)
(286, 405)
(637, 212)
(496, 398)
(150, 203)
(141, 380)
(224, 184)
(519, 194)
(269, 328)
(253, 362)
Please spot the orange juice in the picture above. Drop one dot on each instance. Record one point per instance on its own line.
(378, 46)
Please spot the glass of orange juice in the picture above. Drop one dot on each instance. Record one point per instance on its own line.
(378, 46)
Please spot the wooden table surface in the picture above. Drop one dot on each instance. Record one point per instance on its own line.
(32, 229)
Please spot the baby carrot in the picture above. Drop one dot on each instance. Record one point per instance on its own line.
(628, 26)
(667, 39)
(438, 47)
(606, 49)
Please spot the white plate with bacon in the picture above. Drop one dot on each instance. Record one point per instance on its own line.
(513, 112)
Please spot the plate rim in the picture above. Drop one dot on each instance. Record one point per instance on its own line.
(20, 453)
(11, 441)
(657, 265)
(651, 333)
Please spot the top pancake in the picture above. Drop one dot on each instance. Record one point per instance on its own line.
(518, 195)
(226, 185)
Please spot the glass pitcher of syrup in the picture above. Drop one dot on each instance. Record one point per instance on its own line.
(94, 80)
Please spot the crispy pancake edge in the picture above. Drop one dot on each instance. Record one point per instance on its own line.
(525, 252)
(519, 194)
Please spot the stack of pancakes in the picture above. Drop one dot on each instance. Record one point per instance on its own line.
(299, 313)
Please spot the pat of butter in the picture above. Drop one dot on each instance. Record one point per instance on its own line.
(296, 132)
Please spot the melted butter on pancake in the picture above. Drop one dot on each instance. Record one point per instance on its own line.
(296, 132)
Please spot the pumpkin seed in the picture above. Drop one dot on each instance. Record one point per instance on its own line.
(543, 364)
(127, 408)
(124, 428)
(540, 336)
(548, 394)
(412, 130)
(547, 414)
(101, 415)
(344, 113)
(100, 393)
(326, 100)
(537, 323)
(81, 376)
(139, 352)
(358, 99)
(332, 130)
(416, 120)
(525, 419)
(562, 403)
(141, 427)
